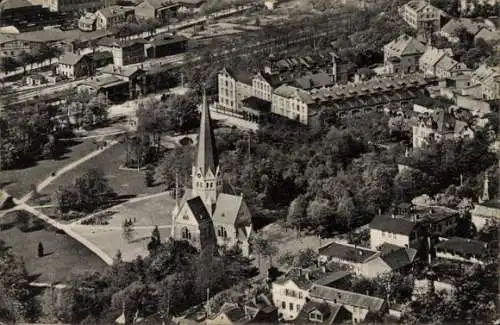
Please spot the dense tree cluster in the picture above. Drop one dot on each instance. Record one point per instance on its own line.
(28, 134)
(87, 111)
(87, 193)
(174, 277)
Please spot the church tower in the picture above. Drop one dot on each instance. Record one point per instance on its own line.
(206, 175)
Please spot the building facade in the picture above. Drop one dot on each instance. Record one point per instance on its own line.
(408, 50)
(292, 103)
(73, 66)
(112, 16)
(421, 16)
(289, 296)
(207, 215)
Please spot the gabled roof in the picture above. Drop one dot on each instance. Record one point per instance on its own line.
(432, 55)
(207, 157)
(198, 209)
(405, 45)
(392, 225)
(348, 298)
(463, 246)
(239, 75)
(397, 257)
(332, 277)
(488, 35)
(300, 281)
(471, 26)
(347, 252)
(446, 63)
(227, 208)
(273, 79)
(328, 311)
(316, 80)
(70, 58)
(293, 92)
(445, 121)
(113, 11)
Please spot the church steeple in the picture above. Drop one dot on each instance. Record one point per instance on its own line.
(207, 158)
(206, 176)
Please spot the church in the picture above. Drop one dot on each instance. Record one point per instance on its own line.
(208, 215)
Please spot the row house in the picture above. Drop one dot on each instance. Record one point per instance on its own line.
(112, 16)
(421, 16)
(439, 126)
(407, 50)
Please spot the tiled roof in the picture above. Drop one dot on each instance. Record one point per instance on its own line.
(198, 209)
(397, 257)
(112, 11)
(393, 225)
(293, 92)
(347, 252)
(314, 80)
(405, 45)
(332, 277)
(346, 298)
(488, 35)
(240, 75)
(328, 311)
(463, 246)
(446, 63)
(227, 208)
(470, 25)
(300, 281)
(70, 58)
(273, 80)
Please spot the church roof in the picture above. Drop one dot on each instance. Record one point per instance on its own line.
(207, 158)
(198, 209)
(227, 208)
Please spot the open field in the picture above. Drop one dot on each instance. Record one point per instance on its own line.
(110, 239)
(18, 182)
(64, 256)
(126, 183)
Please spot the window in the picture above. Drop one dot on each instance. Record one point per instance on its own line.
(300, 295)
(291, 306)
(185, 217)
(221, 232)
(186, 234)
(283, 305)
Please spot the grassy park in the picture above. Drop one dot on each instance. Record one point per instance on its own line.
(63, 255)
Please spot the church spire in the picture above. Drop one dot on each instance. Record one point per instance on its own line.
(207, 158)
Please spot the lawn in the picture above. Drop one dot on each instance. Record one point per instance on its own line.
(126, 183)
(64, 256)
(19, 182)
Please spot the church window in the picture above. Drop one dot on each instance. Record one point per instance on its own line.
(186, 234)
(221, 232)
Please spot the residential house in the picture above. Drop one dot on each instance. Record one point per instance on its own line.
(72, 66)
(366, 262)
(35, 80)
(485, 82)
(111, 16)
(234, 86)
(293, 103)
(451, 30)
(407, 50)
(421, 15)
(289, 295)
(134, 78)
(313, 80)
(124, 52)
(87, 22)
(322, 313)
(161, 10)
(463, 250)
(442, 124)
(360, 306)
(432, 55)
(447, 67)
(392, 230)
(263, 85)
(236, 314)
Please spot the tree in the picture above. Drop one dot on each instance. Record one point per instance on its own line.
(305, 258)
(25, 59)
(264, 247)
(127, 231)
(8, 64)
(297, 212)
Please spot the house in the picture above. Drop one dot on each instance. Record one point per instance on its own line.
(491, 36)
(447, 67)
(442, 124)
(313, 80)
(336, 279)
(360, 306)
(209, 216)
(365, 262)
(135, 78)
(322, 313)
(289, 295)
(421, 16)
(392, 230)
(467, 6)
(35, 80)
(111, 16)
(263, 85)
(427, 62)
(124, 52)
(293, 103)
(234, 86)
(236, 314)
(451, 30)
(72, 66)
(87, 22)
(463, 250)
(407, 50)
(161, 10)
